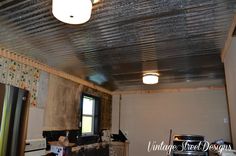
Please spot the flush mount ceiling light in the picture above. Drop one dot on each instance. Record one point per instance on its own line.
(96, 1)
(150, 78)
(72, 11)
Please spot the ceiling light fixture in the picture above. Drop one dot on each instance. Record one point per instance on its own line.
(150, 78)
(72, 11)
(96, 1)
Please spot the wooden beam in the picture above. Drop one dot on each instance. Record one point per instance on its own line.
(170, 90)
(36, 64)
(228, 39)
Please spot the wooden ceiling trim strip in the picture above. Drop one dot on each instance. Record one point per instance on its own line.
(229, 39)
(171, 90)
(34, 63)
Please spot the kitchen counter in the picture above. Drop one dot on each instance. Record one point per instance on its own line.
(89, 146)
(99, 149)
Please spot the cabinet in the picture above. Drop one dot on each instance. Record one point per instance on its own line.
(119, 149)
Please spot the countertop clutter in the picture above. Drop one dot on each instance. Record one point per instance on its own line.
(95, 149)
(68, 143)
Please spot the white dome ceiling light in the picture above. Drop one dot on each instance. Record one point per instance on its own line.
(72, 11)
(150, 78)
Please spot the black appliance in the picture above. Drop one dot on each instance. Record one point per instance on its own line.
(186, 145)
(119, 137)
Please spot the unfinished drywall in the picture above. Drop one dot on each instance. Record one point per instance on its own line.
(58, 106)
(62, 105)
(115, 114)
(149, 117)
(230, 74)
(62, 108)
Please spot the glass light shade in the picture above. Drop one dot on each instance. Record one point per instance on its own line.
(96, 1)
(72, 11)
(150, 78)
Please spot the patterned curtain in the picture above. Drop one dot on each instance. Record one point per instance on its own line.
(21, 76)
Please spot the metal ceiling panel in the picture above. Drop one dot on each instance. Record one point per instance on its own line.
(181, 39)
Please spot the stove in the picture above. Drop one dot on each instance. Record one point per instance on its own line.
(35, 147)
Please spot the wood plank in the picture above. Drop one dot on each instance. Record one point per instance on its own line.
(229, 39)
(171, 90)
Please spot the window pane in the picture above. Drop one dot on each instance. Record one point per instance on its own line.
(88, 106)
(87, 124)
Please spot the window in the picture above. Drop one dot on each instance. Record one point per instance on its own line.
(89, 115)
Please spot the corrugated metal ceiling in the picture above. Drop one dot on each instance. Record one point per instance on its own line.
(181, 39)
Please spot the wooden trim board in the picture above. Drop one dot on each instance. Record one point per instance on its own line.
(36, 64)
(229, 39)
(171, 90)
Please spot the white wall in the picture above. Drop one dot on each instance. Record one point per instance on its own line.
(35, 123)
(115, 114)
(230, 74)
(36, 114)
(149, 117)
